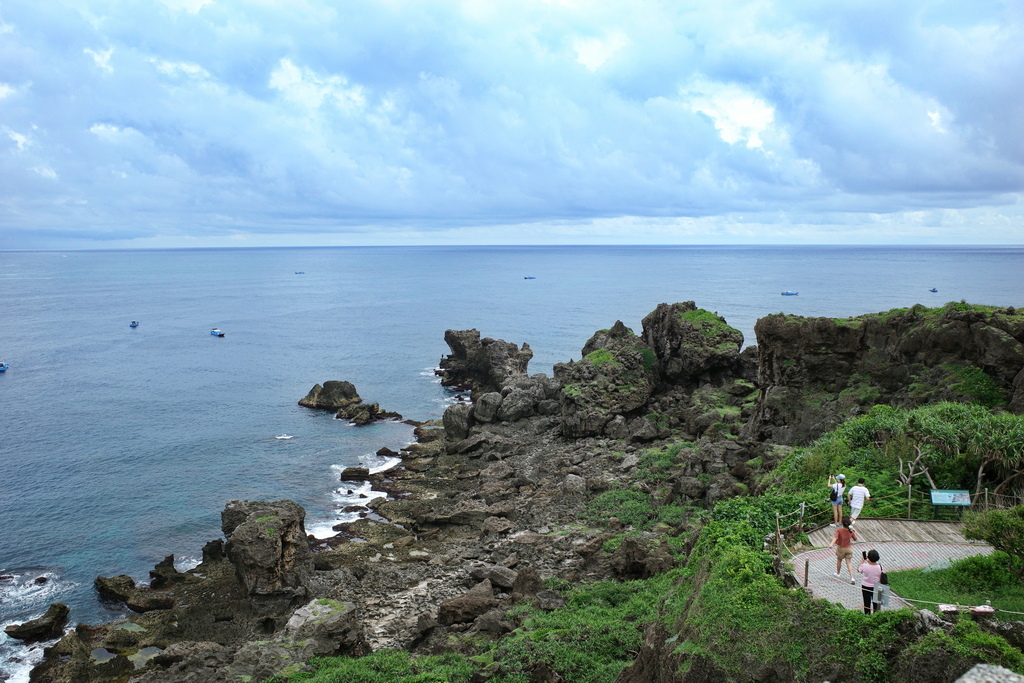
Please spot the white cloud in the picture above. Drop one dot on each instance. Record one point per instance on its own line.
(46, 172)
(310, 90)
(936, 119)
(416, 116)
(101, 58)
(180, 69)
(738, 115)
(190, 6)
(20, 140)
(594, 52)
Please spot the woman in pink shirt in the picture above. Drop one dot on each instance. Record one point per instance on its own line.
(871, 573)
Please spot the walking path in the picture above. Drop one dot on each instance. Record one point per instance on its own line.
(895, 555)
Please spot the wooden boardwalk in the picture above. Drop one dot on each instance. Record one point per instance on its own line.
(901, 543)
(910, 530)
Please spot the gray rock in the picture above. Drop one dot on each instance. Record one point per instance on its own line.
(493, 621)
(990, 673)
(574, 484)
(477, 601)
(486, 407)
(46, 627)
(499, 576)
(333, 395)
(497, 525)
(518, 404)
(483, 365)
(457, 420)
(355, 474)
(269, 549)
(528, 583)
(549, 600)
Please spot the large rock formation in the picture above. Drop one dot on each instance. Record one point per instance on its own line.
(693, 346)
(816, 372)
(344, 400)
(48, 626)
(267, 544)
(481, 365)
(615, 377)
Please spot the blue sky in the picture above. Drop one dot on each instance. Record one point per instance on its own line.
(180, 123)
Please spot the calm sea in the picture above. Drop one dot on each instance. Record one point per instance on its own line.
(119, 446)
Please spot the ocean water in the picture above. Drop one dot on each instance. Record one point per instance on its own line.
(120, 446)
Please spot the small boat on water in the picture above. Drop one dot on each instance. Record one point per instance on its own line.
(3, 367)
(529, 277)
(788, 293)
(300, 272)
(933, 290)
(284, 436)
(216, 332)
(134, 323)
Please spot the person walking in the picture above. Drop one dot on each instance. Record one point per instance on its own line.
(871, 573)
(837, 485)
(844, 551)
(859, 494)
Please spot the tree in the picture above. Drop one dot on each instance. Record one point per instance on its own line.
(1003, 530)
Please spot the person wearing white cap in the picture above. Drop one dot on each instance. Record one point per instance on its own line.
(837, 484)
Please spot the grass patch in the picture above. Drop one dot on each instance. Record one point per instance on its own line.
(970, 581)
(386, 666)
(591, 639)
(633, 508)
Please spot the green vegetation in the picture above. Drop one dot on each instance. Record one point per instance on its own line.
(1004, 531)
(969, 642)
(387, 666)
(975, 383)
(970, 581)
(590, 640)
(963, 446)
(601, 356)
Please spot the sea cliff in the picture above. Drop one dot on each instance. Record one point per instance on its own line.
(606, 474)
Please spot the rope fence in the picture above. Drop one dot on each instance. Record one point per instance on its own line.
(799, 525)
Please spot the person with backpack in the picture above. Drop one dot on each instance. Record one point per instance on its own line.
(871, 573)
(837, 485)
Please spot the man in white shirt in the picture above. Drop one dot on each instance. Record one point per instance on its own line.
(859, 494)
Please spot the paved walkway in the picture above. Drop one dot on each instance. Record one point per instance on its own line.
(894, 556)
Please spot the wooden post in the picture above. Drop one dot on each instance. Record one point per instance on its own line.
(986, 499)
(807, 571)
(778, 537)
(909, 491)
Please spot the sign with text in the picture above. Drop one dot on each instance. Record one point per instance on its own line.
(950, 497)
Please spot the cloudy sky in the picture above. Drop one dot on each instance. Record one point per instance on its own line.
(164, 123)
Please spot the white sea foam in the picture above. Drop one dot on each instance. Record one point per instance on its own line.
(183, 564)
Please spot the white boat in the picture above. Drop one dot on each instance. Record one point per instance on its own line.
(284, 436)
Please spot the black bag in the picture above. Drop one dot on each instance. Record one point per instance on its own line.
(884, 579)
(834, 495)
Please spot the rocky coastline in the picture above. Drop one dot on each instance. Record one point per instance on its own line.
(488, 504)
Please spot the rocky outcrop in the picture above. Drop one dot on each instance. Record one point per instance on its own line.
(267, 545)
(344, 400)
(321, 628)
(693, 346)
(616, 377)
(481, 365)
(816, 372)
(46, 627)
